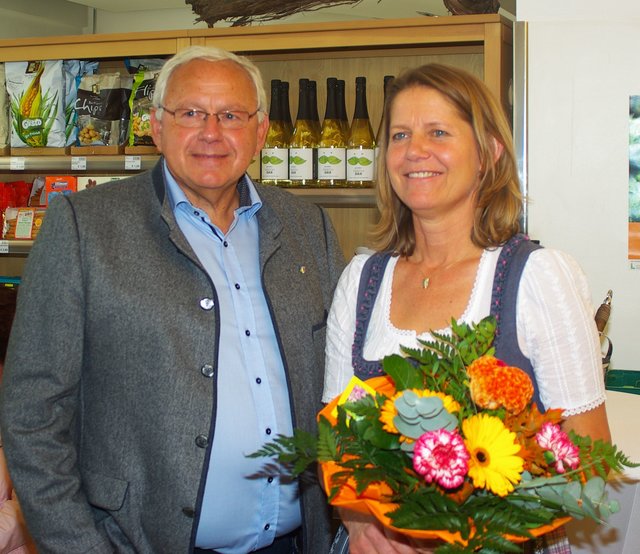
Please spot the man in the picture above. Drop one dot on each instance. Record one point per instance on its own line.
(168, 325)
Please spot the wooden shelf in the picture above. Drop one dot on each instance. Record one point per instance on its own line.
(15, 247)
(338, 197)
(67, 163)
(481, 44)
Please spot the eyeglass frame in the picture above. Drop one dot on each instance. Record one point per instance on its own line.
(207, 114)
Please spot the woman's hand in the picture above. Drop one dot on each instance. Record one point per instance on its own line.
(368, 536)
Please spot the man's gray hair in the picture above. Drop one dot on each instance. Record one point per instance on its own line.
(213, 54)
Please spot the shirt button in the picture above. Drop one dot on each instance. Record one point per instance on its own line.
(267, 527)
(207, 370)
(202, 441)
(270, 480)
(206, 303)
(247, 332)
(268, 431)
(225, 244)
(258, 380)
(237, 286)
(189, 512)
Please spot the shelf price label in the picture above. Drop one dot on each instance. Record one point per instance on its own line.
(4, 246)
(78, 163)
(16, 163)
(133, 162)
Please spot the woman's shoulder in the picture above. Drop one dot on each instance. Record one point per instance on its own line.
(353, 270)
(551, 261)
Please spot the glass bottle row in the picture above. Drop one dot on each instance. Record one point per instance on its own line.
(334, 154)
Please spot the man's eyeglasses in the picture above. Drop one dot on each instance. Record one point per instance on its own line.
(231, 119)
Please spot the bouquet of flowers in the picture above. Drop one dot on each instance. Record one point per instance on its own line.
(449, 445)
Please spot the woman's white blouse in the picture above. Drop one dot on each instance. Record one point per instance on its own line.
(555, 327)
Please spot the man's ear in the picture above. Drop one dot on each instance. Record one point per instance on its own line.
(263, 127)
(156, 128)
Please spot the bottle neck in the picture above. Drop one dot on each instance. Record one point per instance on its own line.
(274, 108)
(361, 111)
(303, 100)
(285, 111)
(331, 111)
(313, 102)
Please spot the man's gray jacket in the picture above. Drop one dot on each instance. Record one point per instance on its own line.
(108, 405)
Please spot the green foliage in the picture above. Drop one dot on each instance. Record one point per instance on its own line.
(294, 453)
(442, 362)
(600, 456)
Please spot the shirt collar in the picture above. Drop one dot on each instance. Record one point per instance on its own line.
(250, 201)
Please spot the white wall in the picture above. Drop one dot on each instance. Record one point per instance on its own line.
(41, 18)
(583, 65)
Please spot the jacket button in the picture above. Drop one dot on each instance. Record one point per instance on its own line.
(189, 512)
(202, 441)
(206, 303)
(207, 370)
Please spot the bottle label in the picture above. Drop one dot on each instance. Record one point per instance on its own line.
(360, 164)
(332, 163)
(275, 164)
(300, 164)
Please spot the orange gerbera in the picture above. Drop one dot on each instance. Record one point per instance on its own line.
(493, 384)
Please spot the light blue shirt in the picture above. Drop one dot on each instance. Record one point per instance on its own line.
(243, 508)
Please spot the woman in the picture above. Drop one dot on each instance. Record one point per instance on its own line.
(450, 206)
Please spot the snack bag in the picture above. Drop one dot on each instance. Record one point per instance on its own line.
(140, 102)
(102, 108)
(73, 71)
(36, 91)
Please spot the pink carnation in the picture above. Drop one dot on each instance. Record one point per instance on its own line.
(357, 393)
(441, 456)
(555, 440)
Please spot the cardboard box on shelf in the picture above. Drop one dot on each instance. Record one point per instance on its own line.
(58, 184)
(88, 182)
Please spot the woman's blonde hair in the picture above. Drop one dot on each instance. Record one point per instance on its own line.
(498, 200)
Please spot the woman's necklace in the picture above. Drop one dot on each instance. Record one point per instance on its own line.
(426, 280)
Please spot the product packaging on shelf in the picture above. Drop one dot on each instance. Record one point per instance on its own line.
(37, 92)
(88, 182)
(58, 184)
(22, 223)
(140, 102)
(73, 72)
(103, 109)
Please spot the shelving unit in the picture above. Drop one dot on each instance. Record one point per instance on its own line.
(482, 44)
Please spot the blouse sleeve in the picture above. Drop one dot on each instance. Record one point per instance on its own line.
(341, 326)
(557, 332)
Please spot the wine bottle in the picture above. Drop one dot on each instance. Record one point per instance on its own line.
(303, 149)
(313, 107)
(332, 169)
(285, 111)
(379, 134)
(342, 108)
(274, 158)
(361, 144)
